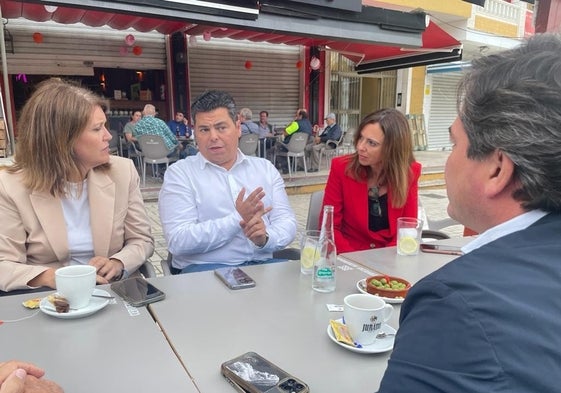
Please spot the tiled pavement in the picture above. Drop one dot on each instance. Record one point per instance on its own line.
(434, 202)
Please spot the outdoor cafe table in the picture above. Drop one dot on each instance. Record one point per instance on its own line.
(117, 349)
(281, 318)
(411, 267)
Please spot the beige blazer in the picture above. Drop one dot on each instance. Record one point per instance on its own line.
(33, 235)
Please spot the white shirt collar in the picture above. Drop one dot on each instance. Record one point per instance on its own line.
(239, 159)
(515, 224)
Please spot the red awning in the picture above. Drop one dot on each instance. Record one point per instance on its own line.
(435, 41)
(67, 15)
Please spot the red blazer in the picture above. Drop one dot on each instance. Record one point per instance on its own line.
(350, 200)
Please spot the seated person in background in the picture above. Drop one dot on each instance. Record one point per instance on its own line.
(265, 128)
(151, 125)
(22, 377)
(301, 123)
(248, 126)
(488, 321)
(74, 203)
(221, 207)
(266, 136)
(189, 148)
(177, 126)
(128, 130)
(330, 133)
(371, 188)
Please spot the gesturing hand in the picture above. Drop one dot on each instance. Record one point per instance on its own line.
(251, 205)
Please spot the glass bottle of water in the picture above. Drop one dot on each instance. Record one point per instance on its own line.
(324, 267)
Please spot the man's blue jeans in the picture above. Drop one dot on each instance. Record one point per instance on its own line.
(193, 268)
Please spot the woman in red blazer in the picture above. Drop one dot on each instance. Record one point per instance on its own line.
(372, 187)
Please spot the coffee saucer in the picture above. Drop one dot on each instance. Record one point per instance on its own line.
(361, 286)
(380, 345)
(94, 306)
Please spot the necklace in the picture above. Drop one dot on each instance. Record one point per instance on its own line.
(374, 201)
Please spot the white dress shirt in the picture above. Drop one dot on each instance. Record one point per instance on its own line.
(515, 224)
(76, 211)
(199, 218)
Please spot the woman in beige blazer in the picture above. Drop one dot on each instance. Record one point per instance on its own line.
(62, 156)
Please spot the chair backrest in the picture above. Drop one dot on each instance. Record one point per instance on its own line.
(153, 146)
(248, 144)
(341, 137)
(348, 136)
(298, 142)
(114, 142)
(314, 210)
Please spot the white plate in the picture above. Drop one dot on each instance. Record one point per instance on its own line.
(361, 286)
(96, 304)
(380, 345)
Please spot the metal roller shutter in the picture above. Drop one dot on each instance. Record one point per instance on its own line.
(272, 83)
(442, 109)
(75, 49)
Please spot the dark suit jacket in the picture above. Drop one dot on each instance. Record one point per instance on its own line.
(350, 200)
(333, 133)
(488, 321)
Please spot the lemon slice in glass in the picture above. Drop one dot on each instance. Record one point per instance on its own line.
(308, 257)
(408, 245)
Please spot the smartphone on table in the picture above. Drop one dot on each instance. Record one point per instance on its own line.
(137, 291)
(441, 249)
(234, 277)
(252, 373)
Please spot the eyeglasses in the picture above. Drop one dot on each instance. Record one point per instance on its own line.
(373, 199)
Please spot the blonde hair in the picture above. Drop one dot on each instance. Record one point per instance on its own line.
(397, 153)
(50, 123)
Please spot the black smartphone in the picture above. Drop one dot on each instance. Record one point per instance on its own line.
(441, 249)
(137, 291)
(252, 373)
(234, 277)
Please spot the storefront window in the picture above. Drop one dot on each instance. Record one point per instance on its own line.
(344, 92)
(353, 96)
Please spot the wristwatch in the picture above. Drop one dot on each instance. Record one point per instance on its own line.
(266, 241)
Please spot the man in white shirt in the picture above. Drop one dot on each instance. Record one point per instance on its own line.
(221, 207)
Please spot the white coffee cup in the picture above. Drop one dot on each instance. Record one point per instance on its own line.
(364, 316)
(76, 283)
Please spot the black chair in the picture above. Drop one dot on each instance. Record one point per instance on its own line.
(429, 234)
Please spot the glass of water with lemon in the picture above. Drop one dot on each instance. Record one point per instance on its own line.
(309, 252)
(409, 232)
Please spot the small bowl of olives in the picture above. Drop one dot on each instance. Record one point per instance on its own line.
(387, 286)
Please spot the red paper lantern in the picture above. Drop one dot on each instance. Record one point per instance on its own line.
(137, 50)
(315, 63)
(299, 64)
(248, 65)
(129, 40)
(37, 38)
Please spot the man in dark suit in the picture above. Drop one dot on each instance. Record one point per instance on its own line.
(332, 132)
(489, 320)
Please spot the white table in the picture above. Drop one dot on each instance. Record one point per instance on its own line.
(117, 349)
(412, 268)
(282, 319)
